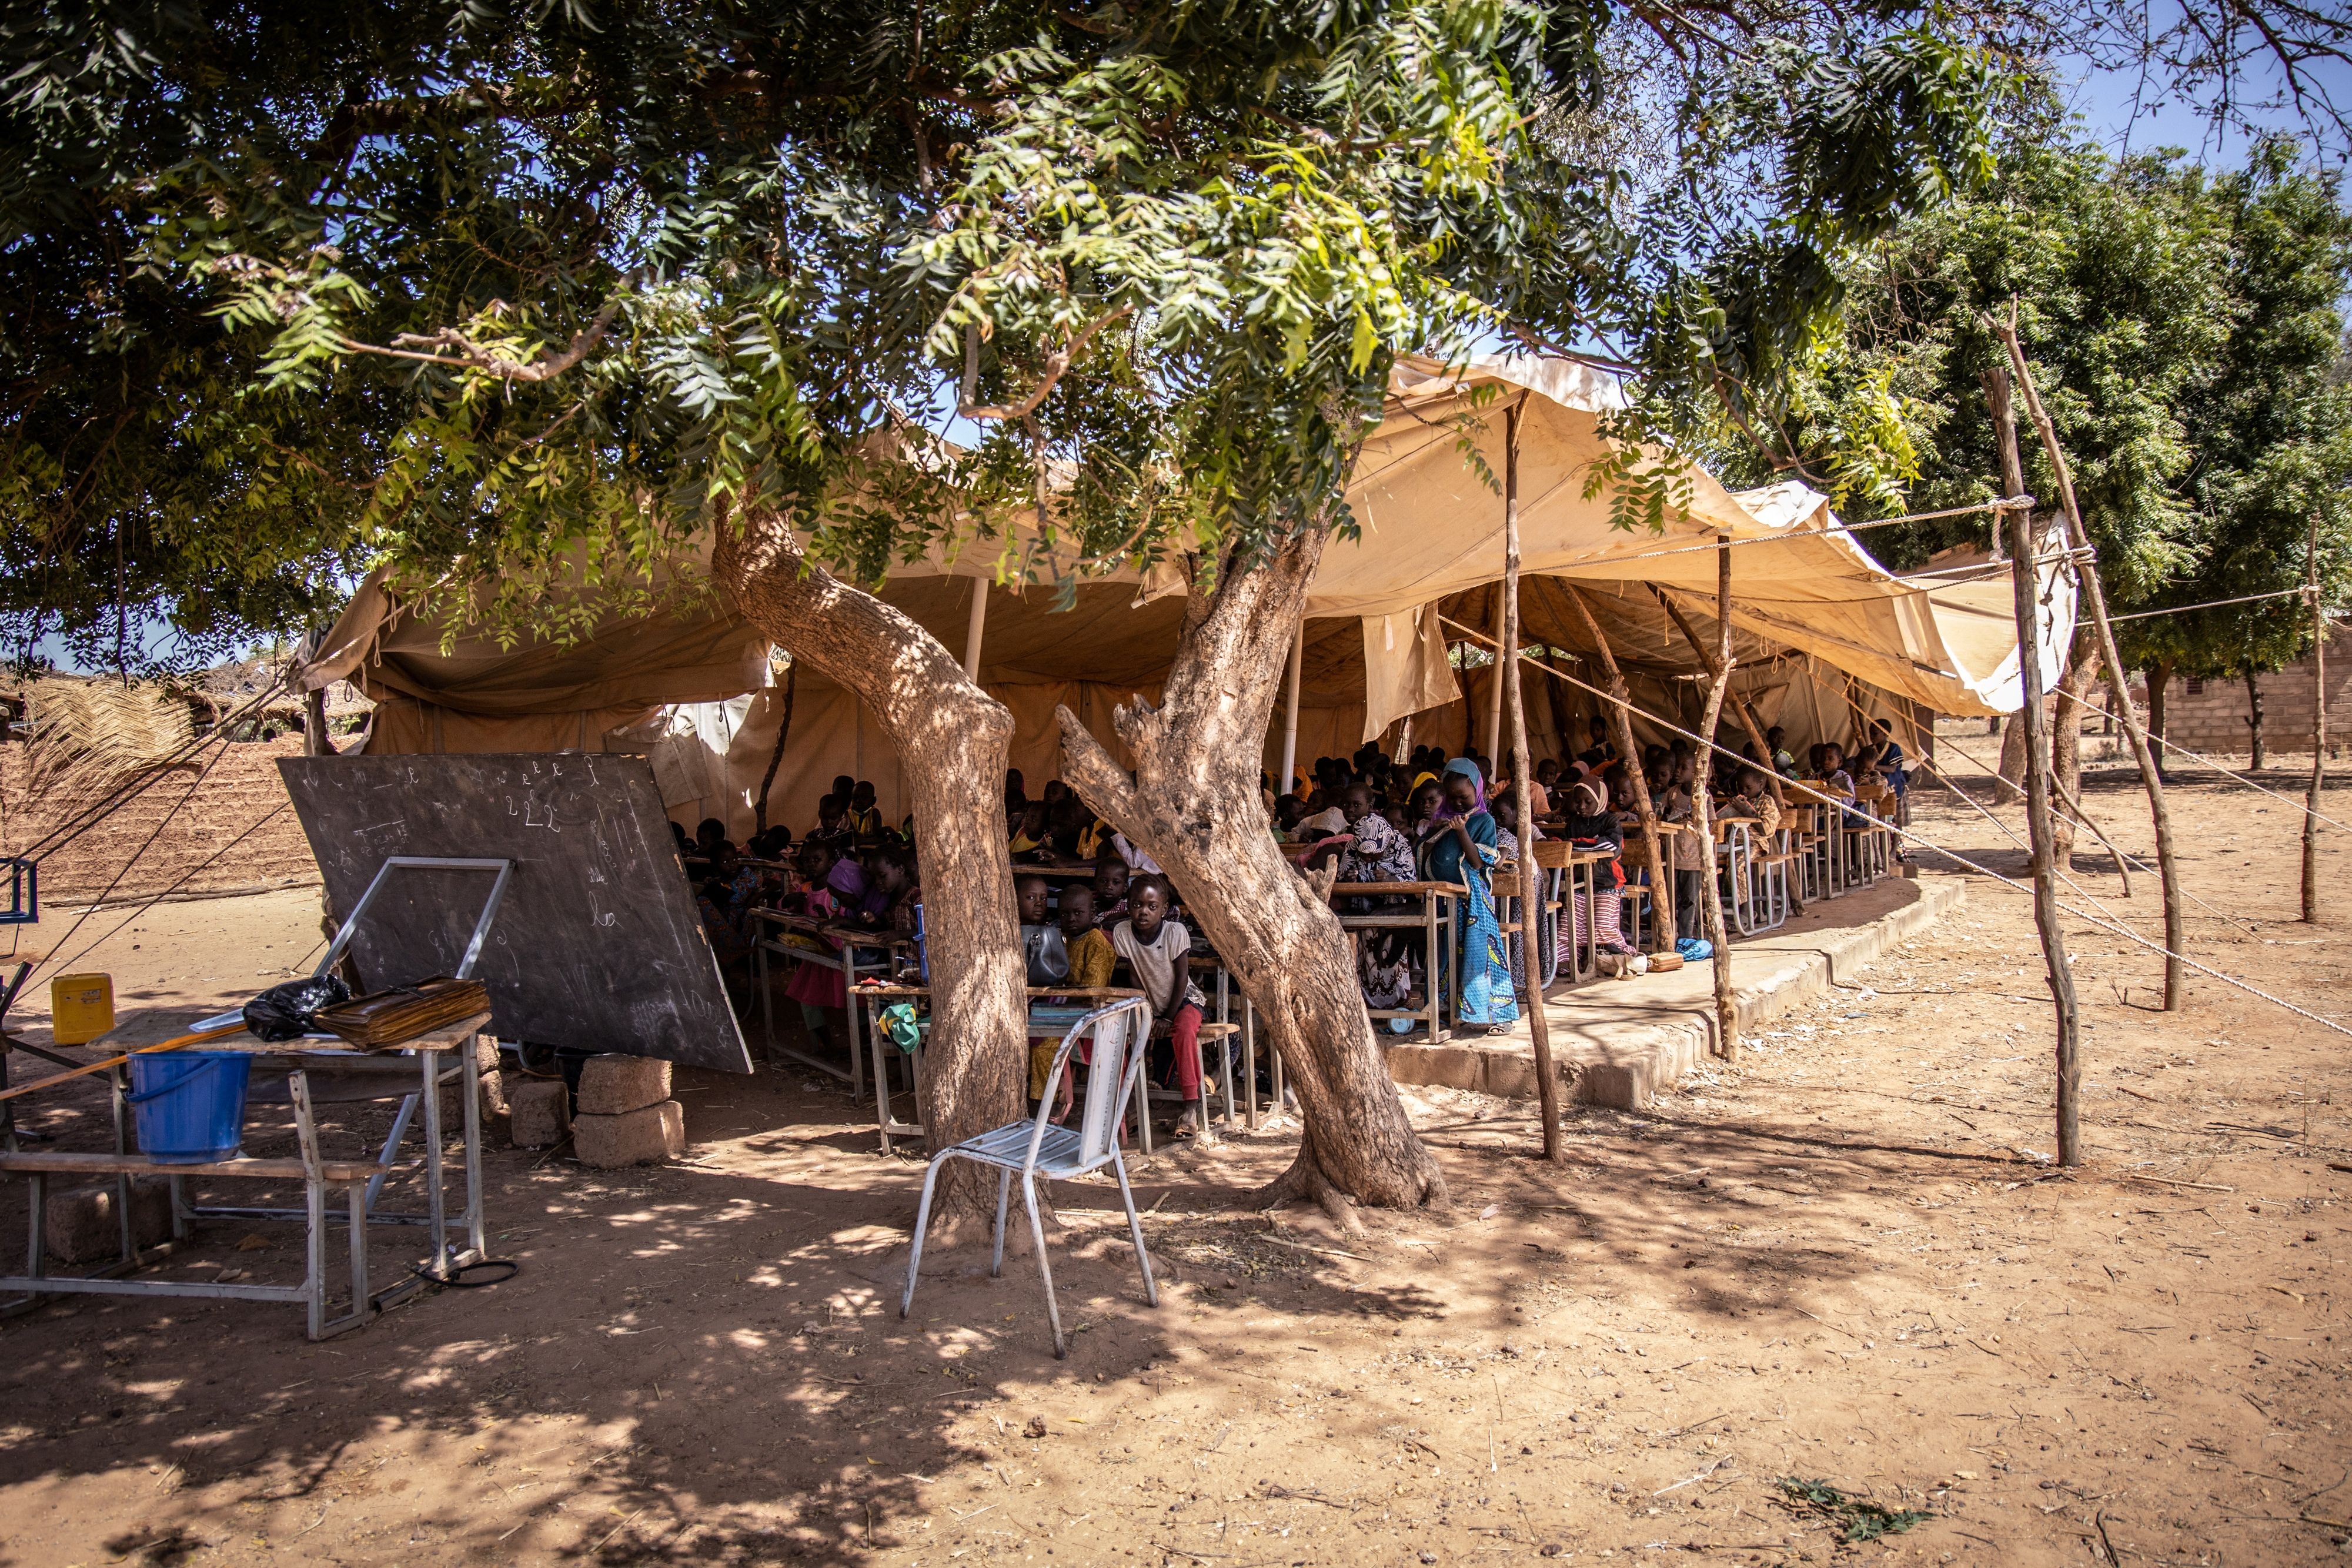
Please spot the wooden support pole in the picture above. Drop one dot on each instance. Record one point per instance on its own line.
(2039, 836)
(1620, 705)
(776, 756)
(1727, 1012)
(1747, 711)
(1494, 746)
(2167, 865)
(973, 627)
(1522, 774)
(1290, 715)
(2319, 727)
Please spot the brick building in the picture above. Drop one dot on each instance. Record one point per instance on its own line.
(2209, 716)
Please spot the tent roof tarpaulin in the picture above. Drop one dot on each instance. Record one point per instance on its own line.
(1431, 540)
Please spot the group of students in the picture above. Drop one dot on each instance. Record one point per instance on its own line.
(1434, 818)
(1431, 818)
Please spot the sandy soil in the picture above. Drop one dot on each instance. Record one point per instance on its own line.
(1841, 1258)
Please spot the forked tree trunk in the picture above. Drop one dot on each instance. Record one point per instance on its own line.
(2255, 755)
(1193, 804)
(951, 739)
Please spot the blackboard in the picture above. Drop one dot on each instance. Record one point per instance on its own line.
(598, 946)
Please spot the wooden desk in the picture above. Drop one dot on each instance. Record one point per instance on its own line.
(1434, 1012)
(420, 1066)
(872, 999)
(863, 953)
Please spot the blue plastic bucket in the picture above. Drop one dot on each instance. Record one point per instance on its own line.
(190, 1104)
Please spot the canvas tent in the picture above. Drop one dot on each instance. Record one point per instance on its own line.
(1819, 626)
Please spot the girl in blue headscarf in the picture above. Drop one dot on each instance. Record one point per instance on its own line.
(1459, 846)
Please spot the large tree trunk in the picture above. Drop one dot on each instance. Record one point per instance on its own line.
(1193, 804)
(2255, 755)
(951, 739)
(2159, 676)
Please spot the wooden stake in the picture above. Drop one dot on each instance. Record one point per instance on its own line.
(1727, 1013)
(1621, 704)
(775, 757)
(1522, 773)
(2319, 727)
(1747, 711)
(2168, 866)
(1494, 747)
(2040, 835)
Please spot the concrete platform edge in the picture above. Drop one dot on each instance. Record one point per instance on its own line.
(1624, 1063)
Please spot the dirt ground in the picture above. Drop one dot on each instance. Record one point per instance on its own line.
(1841, 1259)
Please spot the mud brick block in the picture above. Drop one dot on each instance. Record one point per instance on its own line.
(82, 1227)
(485, 1067)
(640, 1137)
(539, 1111)
(613, 1085)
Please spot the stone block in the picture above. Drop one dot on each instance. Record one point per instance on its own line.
(539, 1111)
(614, 1085)
(641, 1137)
(82, 1226)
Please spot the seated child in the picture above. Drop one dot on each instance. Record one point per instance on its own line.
(1380, 852)
(1158, 949)
(710, 840)
(832, 825)
(890, 872)
(1029, 830)
(1091, 959)
(1589, 824)
(1325, 817)
(1043, 952)
(1288, 812)
(1110, 885)
(1753, 799)
(864, 819)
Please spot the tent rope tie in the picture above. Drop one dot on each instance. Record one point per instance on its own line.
(2114, 928)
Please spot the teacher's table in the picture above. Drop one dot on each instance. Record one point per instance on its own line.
(421, 1067)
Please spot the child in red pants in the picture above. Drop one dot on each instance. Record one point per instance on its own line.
(1158, 949)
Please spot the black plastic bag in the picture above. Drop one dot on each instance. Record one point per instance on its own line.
(283, 1013)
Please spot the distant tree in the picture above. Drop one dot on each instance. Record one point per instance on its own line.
(2272, 428)
(2184, 330)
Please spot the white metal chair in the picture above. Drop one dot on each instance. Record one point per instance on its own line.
(1122, 1036)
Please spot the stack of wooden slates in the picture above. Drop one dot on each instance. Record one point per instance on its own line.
(382, 1019)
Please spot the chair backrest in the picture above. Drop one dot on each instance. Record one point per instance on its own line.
(1121, 1033)
(1123, 1039)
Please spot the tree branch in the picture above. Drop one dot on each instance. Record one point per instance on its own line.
(1055, 364)
(473, 356)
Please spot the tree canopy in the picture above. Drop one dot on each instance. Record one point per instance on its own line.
(2184, 332)
(496, 288)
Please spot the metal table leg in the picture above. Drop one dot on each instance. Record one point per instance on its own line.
(436, 1199)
